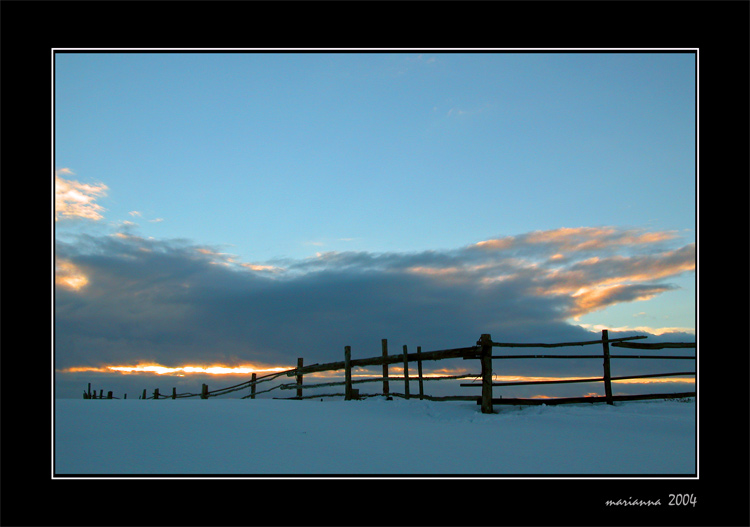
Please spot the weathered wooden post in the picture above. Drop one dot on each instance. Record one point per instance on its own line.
(252, 386)
(386, 387)
(109, 395)
(419, 370)
(174, 393)
(101, 393)
(348, 373)
(144, 394)
(406, 374)
(204, 391)
(607, 374)
(300, 362)
(485, 341)
(156, 393)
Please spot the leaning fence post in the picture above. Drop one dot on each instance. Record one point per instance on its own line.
(485, 341)
(386, 387)
(348, 373)
(419, 370)
(406, 374)
(300, 362)
(252, 386)
(607, 374)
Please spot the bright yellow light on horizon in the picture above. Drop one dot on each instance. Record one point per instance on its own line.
(164, 370)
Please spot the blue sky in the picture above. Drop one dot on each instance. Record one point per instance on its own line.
(289, 164)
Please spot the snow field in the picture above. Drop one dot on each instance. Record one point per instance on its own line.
(371, 437)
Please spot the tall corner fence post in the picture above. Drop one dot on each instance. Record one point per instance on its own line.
(607, 373)
(300, 363)
(406, 374)
(485, 356)
(419, 372)
(386, 387)
(348, 373)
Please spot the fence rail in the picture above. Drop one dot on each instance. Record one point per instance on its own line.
(481, 351)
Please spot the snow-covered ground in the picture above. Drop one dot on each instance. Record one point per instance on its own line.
(372, 436)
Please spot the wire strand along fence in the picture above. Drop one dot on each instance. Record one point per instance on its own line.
(481, 351)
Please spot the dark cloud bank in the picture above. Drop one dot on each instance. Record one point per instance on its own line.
(172, 303)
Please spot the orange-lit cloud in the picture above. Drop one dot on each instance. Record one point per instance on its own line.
(69, 276)
(77, 200)
(577, 239)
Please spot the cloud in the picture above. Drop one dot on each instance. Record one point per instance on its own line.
(173, 303)
(74, 199)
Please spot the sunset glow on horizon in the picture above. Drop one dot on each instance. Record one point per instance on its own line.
(396, 371)
(158, 369)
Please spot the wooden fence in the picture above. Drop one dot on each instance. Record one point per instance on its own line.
(482, 351)
(486, 344)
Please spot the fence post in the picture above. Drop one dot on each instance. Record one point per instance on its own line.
(386, 387)
(406, 374)
(144, 393)
(485, 341)
(174, 393)
(419, 370)
(300, 362)
(156, 393)
(204, 391)
(89, 397)
(252, 386)
(109, 395)
(348, 373)
(607, 374)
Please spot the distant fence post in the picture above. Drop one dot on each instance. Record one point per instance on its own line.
(156, 393)
(89, 397)
(485, 341)
(300, 362)
(607, 374)
(109, 395)
(174, 393)
(419, 370)
(144, 394)
(348, 373)
(386, 387)
(204, 391)
(252, 386)
(406, 374)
